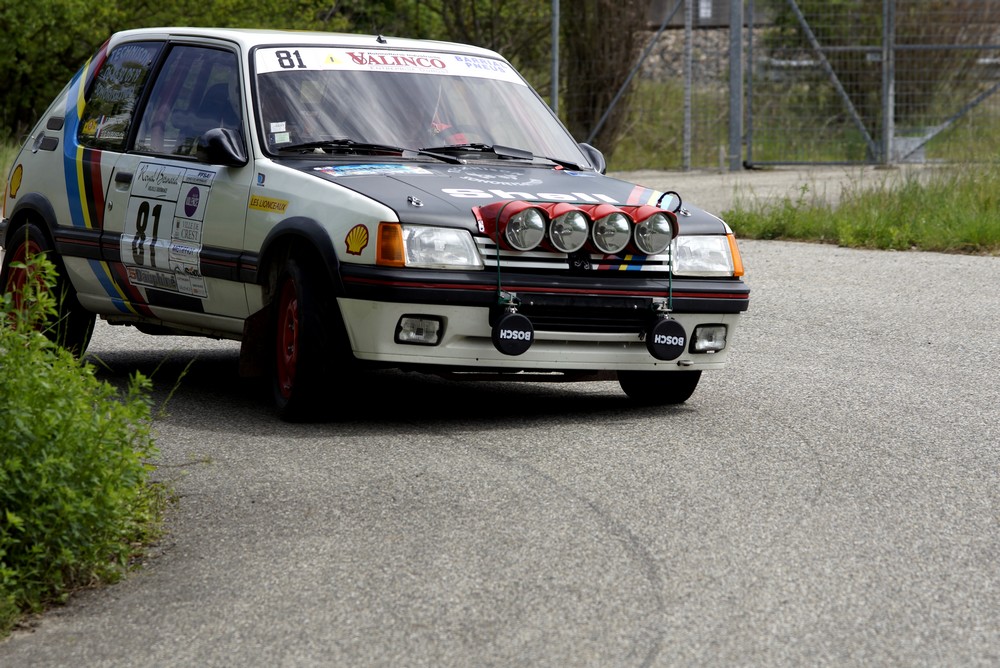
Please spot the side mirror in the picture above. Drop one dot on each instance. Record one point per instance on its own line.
(221, 146)
(595, 157)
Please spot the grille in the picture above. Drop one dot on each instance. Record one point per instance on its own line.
(554, 261)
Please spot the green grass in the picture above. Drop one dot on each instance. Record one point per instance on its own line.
(951, 211)
(8, 151)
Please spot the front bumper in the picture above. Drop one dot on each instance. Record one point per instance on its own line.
(466, 342)
(580, 322)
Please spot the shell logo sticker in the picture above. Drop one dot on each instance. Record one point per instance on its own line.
(357, 239)
(15, 180)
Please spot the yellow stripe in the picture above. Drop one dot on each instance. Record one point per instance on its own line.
(80, 102)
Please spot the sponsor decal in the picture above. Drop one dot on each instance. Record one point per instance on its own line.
(260, 179)
(357, 239)
(378, 60)
(487, 64)
(640, 196)
(161, 241)
(191, 202)
(396, 61)
(151, 278)
(202, 177)
(269, 204)
(159, 181)
(15, 180)
(371, 170)
(494, 177)
(476, 193)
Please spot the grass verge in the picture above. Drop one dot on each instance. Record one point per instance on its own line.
(949, 211)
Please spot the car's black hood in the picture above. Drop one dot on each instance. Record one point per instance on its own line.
(444, 194)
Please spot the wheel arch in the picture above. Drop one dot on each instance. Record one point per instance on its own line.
(305, 238)
(300, 237)
(32, 208)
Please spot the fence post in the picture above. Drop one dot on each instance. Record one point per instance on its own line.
(888, 80)
(688, 82)
(735, 85)
(555, 57)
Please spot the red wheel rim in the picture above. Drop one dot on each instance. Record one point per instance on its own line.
(19, 276)
(288, 339)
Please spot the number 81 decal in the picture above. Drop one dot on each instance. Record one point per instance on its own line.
(145, 220)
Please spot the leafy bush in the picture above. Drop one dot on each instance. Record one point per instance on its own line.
(75, 495)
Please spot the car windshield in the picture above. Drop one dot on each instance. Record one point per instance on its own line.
(375, 102)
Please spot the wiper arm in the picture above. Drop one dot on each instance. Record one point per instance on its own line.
(503, 152)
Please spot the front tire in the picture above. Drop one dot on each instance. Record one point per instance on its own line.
(72, 326)
(659, 388)
(308, 342)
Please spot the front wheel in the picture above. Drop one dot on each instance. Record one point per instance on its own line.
(308, 344)
(659, 388)
(71, 326)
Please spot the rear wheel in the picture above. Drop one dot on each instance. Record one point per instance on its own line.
(72, 326)
(659, 388)
(309, 343)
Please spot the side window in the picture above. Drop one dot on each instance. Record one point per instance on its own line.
(198, 89)
(111, 100)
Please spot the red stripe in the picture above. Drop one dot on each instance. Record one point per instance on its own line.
(490, 287)
(637, 196)
(94, 187)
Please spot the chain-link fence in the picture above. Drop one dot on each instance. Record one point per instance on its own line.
(881, 81)
(856, 82)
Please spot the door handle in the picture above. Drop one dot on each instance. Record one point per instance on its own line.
(123, 178)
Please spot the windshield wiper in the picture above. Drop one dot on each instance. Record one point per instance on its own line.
(349, 145)
(502, 152)
(339, 144)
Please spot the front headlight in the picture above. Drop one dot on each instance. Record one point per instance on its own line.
(427, 247)
(715, 255)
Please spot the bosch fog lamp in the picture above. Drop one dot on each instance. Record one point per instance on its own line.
(523, 225)
(654, 233)
(708, 338)
(420, 330)
(568, 231)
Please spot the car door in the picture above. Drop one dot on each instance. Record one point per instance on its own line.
(175, 223)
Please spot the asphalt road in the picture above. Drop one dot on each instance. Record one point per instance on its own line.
(831, 498)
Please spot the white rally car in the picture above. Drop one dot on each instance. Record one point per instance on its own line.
(335, 201)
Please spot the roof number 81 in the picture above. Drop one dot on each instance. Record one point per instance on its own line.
(289, 60)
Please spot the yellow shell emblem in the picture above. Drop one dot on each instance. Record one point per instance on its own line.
(357, 239)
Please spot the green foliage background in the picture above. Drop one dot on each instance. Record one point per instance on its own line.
(48, 40)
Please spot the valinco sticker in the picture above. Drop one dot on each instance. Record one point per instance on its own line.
(357, 239)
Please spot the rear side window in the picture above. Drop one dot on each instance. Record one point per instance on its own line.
(112, 98)
(197, 90)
